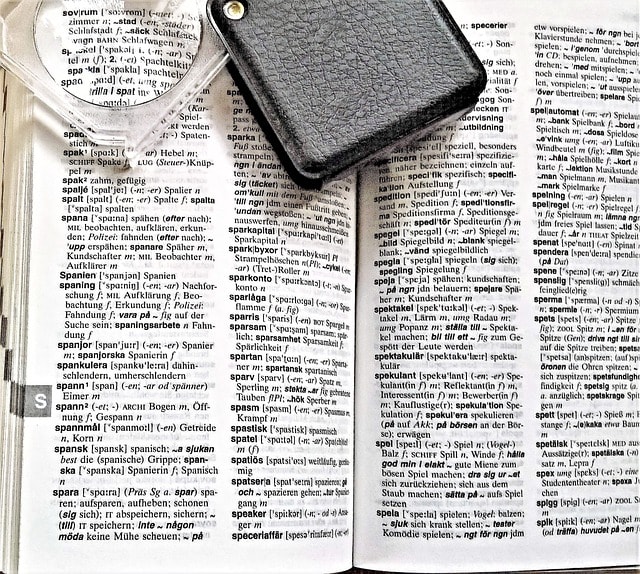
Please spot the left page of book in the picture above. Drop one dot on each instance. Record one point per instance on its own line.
(188, 369)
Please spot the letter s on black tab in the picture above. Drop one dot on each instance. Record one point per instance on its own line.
(337, 82)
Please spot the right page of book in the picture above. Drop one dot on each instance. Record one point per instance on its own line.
(497, 372)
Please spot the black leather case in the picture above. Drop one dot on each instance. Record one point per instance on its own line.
(339, 81)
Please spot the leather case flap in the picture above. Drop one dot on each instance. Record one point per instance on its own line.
(339, 80)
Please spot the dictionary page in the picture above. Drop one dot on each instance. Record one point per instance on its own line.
(189, 365)
(497, 371)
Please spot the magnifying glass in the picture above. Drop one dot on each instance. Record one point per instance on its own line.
(120, 70)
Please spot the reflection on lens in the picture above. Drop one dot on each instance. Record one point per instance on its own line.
(117, 53)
